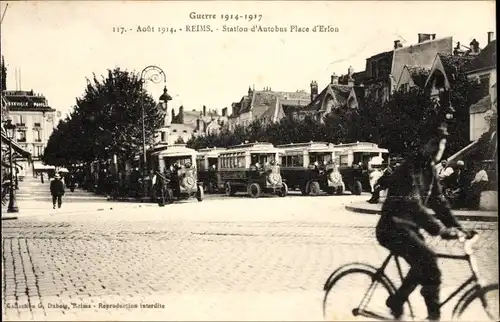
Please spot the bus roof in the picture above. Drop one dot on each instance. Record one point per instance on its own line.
(210, 152)
(173, 150)
(362, 147)
(310, 146)
(256, 147)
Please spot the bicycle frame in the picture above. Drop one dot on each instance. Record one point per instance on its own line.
(474, 279)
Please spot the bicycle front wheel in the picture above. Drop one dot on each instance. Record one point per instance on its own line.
(481, 305)
(357, 293)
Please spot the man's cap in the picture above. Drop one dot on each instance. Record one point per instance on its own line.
(57, 176)
(460, 162)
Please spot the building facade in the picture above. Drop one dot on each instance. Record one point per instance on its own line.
(483, 70)
(34, 119)
(266, 105)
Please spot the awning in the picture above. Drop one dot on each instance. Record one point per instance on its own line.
(15, 146)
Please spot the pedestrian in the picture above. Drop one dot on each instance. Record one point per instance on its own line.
(478, 185)
(57, 191)
(411, 188)
(458, 183)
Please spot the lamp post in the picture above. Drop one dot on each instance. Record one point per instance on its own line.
(154, 74)
(12, 196)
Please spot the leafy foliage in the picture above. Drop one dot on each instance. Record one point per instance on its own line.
(402, 125)
(105, 121)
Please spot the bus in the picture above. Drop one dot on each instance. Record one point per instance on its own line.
(312, 167)
(251, 168)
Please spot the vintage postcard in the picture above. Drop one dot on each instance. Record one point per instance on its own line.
(249, 160)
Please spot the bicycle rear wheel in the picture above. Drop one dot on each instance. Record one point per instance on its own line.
(481, 305)
(357, 293)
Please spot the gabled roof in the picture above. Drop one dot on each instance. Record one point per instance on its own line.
(421, 54)
(359, 92)
(449, 65)
(338, 92)
(486, 59)
(419, 74)
(453, 64)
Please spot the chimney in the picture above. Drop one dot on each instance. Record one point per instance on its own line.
(474, 46)
(424, 37)
(181, 114)
(224, 111)
(334, 79)
(397, 44)
(490, 36)
(314, 90)
(198, 128)
(433, 36)
(204, 110)
(173, 115)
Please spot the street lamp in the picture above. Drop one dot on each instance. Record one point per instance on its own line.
(12, 196)
(154, 74)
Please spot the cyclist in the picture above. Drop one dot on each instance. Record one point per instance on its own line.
(411, 188)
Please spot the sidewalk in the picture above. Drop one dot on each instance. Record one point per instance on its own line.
(31, 209)
(33, 199)
(364, 207)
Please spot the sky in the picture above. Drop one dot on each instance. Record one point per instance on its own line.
(57, 45)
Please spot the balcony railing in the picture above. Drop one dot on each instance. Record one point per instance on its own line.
(37, 124)
(38, 140)
(21, 140)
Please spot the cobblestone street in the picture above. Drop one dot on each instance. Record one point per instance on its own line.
(232, 259)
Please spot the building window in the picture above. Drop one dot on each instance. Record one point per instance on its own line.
(21, 136)
(38, 136)
(485, 84)
(163, 136)
(39, 151)
(404, 88)
(21, 121)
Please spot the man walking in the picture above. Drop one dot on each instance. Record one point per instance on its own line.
(57, 191)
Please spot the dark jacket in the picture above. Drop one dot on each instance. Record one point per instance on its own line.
(57, 187)
(458, 180)
(413, 187)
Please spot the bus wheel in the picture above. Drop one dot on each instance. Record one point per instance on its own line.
(229, 189)
(314, 188)
(254, 190)
(199, 193)
(283, 190)
(358, 188)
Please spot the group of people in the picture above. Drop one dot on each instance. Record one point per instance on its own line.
(463, 187)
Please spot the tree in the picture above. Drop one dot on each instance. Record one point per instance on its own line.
(106, 121)
(406, 120)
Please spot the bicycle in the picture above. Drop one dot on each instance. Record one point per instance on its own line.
(473, 287)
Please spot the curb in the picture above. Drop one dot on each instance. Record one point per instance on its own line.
(458, 216)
